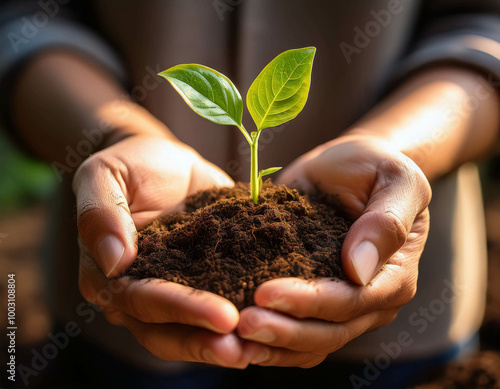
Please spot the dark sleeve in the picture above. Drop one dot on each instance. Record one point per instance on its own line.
(465, 32)
(28, 28)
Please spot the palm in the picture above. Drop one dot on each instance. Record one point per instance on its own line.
(156, 175)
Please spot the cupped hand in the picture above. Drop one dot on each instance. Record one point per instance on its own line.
(299, 323)
(120, 190)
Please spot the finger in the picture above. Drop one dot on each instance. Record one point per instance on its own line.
(104, 221)
(205, 175)
(294, 176)
(306, 335)
(274, 356)
(157, 301)
(176, 342)
(338, 301)
(401, 193)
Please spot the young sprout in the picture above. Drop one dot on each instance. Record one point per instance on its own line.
(276, 96)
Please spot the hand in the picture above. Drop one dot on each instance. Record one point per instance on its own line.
(387, 195)
(122, 189)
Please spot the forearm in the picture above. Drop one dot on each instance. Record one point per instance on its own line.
(63, 100)
(441, 118)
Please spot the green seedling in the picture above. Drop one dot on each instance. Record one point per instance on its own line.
(276, 96)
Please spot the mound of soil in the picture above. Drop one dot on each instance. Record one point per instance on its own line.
(225, 244)
(480, 372)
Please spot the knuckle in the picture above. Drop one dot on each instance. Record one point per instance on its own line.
(150, 343)
(313, 361)
(396, 227)
(393, 167)
(277, 358)
(195, 349)
(294, 340)
(250, 320)
(134, 305)
(387, 318)
(358, 305)
(420, 182)
(340, 338)
(409, 291)
(113, 317)
(87, 170)
(117, 198)
(90, 298)
(425, 190)
(149, 340)
(85, 288)
(91, 172)
(88, 275)
(82, 172)
(85, 206)
(410, 294)
(404, 171)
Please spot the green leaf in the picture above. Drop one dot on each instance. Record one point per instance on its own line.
(266, 172)
(209, 93)
(280, 91)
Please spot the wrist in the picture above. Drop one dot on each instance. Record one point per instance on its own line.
(122, 119)
(429, 119)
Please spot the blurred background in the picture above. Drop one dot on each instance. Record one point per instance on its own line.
(25, 189)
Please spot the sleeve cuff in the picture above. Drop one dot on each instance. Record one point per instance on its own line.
(475, 45)
(24, 37)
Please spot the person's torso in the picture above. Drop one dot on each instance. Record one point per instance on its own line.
(359, 43)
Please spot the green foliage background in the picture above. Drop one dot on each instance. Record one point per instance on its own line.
(23, 181)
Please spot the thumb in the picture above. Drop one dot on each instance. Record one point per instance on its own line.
(205, 175)
(105, 225)
(400, 193)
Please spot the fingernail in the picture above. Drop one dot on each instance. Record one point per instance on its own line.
(263, 335)
(279, 305)
(110, 250)
(261, 357)
(365, 260)
(209, 326)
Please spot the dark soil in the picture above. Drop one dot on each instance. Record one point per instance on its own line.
(480, 372)
(226, 244)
